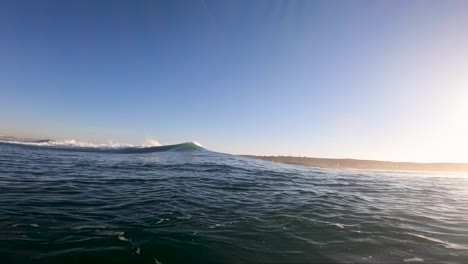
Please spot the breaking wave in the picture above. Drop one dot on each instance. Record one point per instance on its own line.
(73, 145)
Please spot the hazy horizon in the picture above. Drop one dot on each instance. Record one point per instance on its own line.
(381, 80)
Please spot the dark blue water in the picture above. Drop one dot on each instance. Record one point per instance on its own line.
(186, 204)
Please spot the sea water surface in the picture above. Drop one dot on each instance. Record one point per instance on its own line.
(186, 204)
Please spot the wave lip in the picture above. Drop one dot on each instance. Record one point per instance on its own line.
(188, 146)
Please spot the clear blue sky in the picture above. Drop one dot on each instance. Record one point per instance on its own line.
(360, 79)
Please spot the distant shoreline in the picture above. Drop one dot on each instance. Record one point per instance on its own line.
(372, 165)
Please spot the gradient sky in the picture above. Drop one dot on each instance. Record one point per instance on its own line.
(361, 79)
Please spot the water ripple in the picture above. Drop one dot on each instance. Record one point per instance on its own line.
(202, 206)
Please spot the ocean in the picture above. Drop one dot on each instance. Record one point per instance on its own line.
(74, 203)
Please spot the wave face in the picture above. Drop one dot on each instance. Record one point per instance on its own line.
(185, 204)
(73, 145)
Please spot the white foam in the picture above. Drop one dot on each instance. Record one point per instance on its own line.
(413, 260)
(198, 144)
(338, 225)
(122, 238)
(160, 220)
(68, 143)
(152, 143)
(74, 143)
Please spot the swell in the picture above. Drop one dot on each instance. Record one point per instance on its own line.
(188, 146)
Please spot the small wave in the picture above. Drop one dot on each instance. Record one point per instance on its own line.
(444, 243)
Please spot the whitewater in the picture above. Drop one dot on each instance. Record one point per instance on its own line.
(74, 202)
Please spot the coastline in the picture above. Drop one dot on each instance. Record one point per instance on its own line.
(367, 165)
